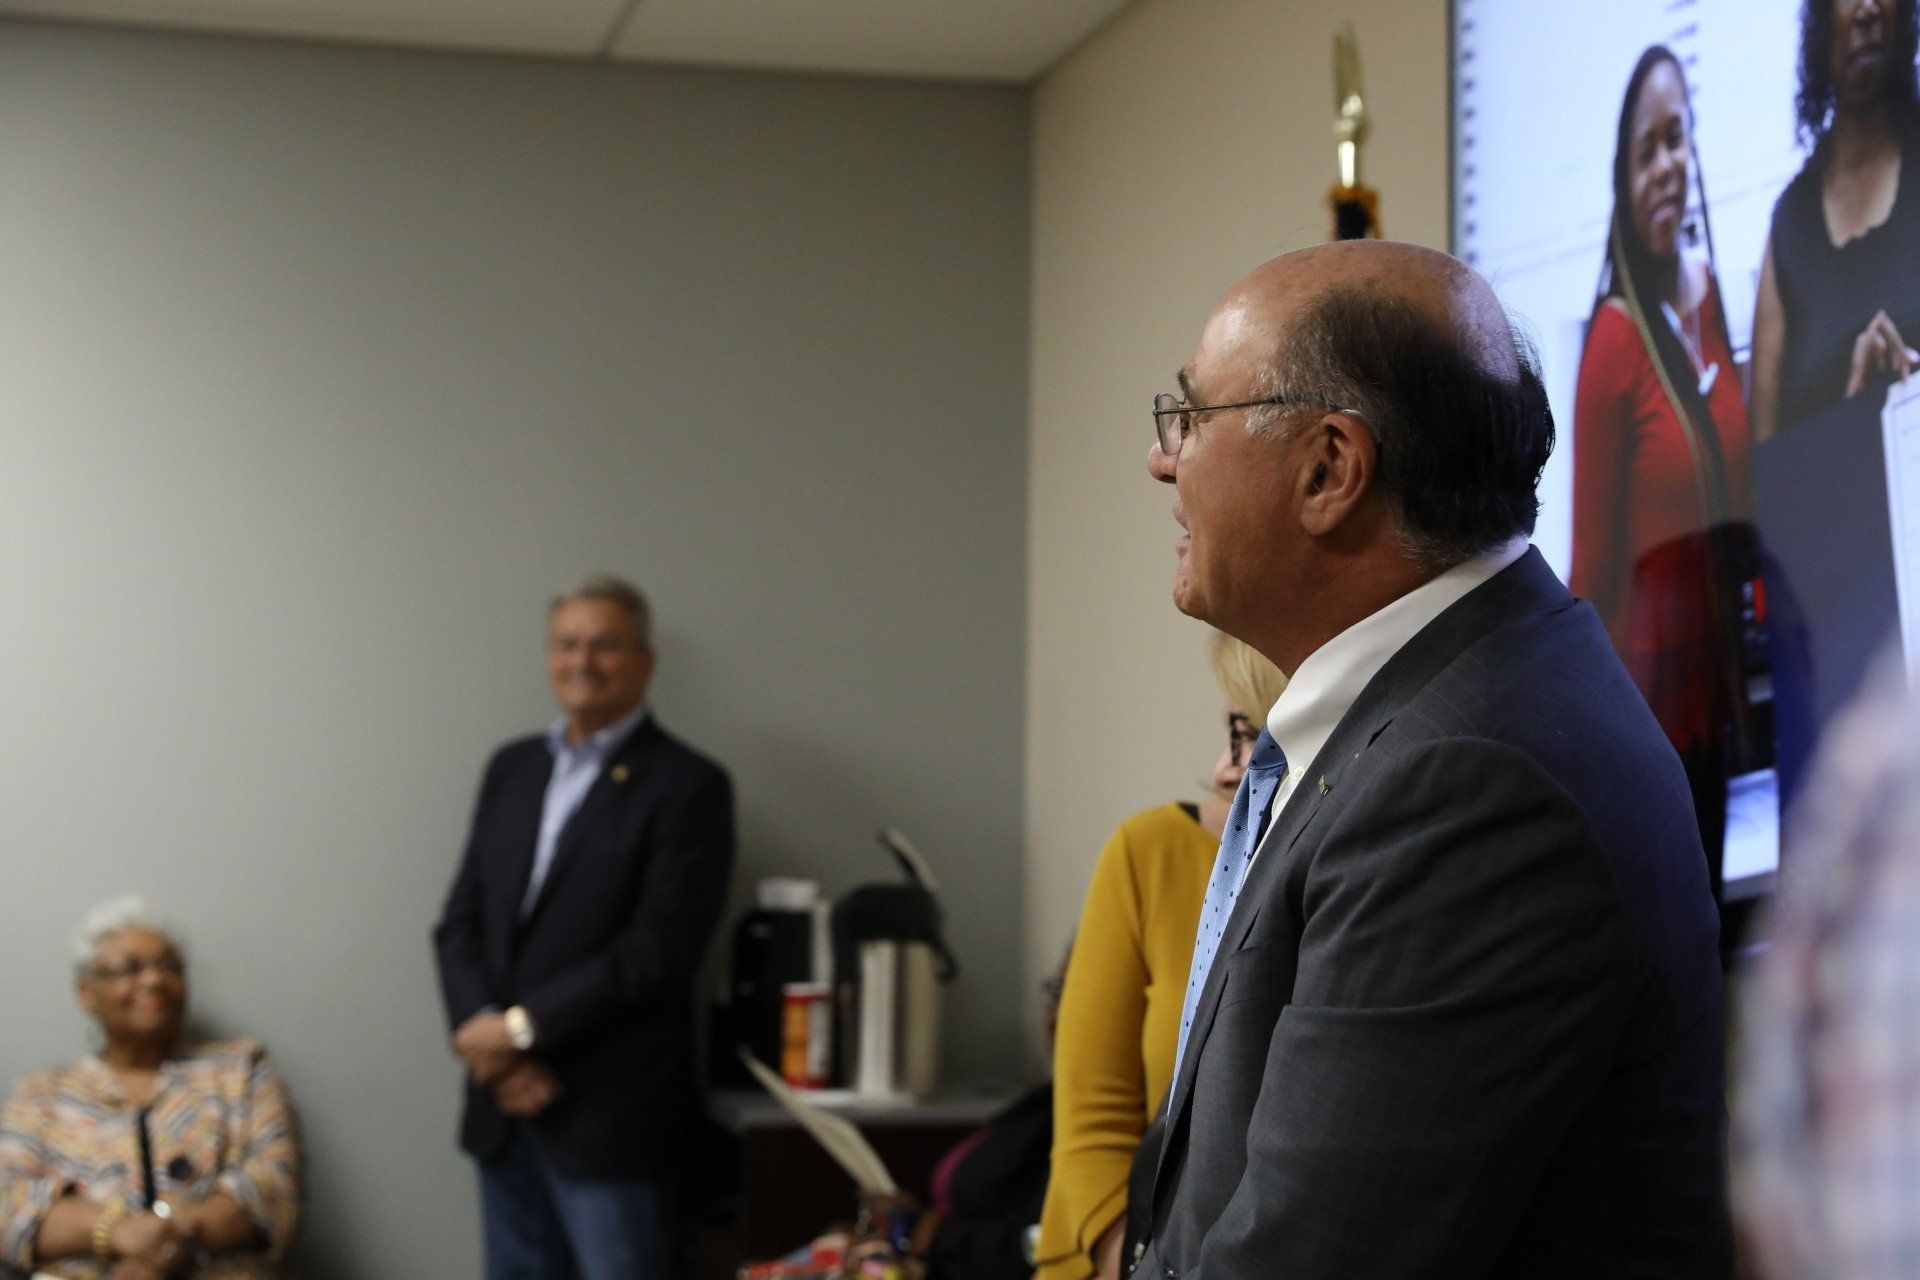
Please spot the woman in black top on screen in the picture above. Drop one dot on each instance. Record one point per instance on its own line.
(1839, 301)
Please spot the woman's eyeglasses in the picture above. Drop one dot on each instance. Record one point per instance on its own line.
(127, 970)
(1242, 733)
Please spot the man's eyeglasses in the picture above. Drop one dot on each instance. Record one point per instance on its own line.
(568, 646)
(1173, 419)
(1242, 733)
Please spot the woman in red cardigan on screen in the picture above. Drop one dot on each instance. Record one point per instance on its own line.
(1660, 451)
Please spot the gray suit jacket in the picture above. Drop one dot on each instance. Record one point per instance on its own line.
(1465, 1019)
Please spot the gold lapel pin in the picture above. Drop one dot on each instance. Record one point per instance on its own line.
(620, 774)
(1324, 788)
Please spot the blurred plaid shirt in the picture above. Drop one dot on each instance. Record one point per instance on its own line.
(1827, 1122)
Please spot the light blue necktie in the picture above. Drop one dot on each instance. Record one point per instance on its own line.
(1245, 824)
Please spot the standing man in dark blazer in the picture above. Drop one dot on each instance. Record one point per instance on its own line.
(1455, 1002)
(591, 884)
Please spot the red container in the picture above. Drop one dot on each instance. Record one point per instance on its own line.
(806, 1040)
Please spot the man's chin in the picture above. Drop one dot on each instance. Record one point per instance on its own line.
(1186, 597)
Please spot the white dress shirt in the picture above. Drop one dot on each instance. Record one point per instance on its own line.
(1332, 677)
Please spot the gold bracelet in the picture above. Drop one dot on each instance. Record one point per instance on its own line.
(103, 1227)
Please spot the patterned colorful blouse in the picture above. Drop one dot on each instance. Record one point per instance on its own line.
(1827, 1114)
(219, 1120)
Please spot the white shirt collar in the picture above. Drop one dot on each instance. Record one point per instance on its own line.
(1331, 678)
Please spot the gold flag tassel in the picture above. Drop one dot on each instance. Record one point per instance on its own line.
(1356, 206)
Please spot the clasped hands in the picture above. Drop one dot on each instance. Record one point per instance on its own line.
(522, 1087)
(153, 1246)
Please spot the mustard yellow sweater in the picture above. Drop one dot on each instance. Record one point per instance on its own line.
(1119, 1021)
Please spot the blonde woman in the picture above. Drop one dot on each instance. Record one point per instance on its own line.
(1120, 1008)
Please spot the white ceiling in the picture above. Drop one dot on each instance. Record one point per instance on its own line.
(1011, 40)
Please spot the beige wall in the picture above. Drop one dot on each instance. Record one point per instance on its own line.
(1187, 142)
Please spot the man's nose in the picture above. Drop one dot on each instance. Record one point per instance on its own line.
(1159, 465)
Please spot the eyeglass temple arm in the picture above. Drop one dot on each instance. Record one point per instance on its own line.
(1243, 404)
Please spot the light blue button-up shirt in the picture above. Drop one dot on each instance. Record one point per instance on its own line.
(575, 766)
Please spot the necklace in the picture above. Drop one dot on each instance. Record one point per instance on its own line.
(1688, 330)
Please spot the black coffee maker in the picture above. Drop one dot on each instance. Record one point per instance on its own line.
(776, 943)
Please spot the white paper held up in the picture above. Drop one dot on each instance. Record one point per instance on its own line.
(836, 1135)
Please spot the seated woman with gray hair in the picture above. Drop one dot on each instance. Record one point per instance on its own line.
(151, 1157)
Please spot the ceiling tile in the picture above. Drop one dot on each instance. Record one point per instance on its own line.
(963, 39)
(568, 27)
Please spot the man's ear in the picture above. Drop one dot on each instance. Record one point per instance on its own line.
(1337, 471)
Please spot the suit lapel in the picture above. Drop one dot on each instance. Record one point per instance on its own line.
(1525, 586)
(522, 838)
(1302, 807)
(617, 775)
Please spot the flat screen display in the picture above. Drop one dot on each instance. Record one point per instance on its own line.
(1699, 211)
